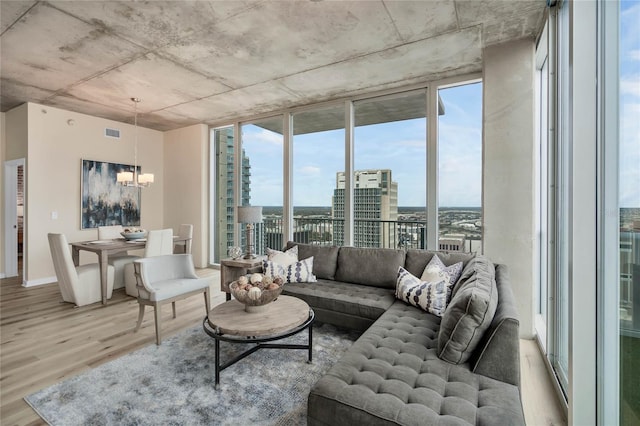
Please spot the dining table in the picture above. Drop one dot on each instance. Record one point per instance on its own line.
(105, 248)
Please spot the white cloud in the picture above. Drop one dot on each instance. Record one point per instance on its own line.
(634, 55)
(262, 136)
(310, 170)
(630, 86)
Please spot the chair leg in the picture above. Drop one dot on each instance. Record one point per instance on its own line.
(140, 317)
(173, 306)
(206, 301)
(158, 312)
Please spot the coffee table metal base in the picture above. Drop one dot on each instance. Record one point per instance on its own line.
(259, 341)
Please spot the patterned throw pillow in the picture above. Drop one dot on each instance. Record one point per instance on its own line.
(285, 258)
(428, 296)
(297, 272)
(436, 271)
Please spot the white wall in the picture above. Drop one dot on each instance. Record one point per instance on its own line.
(508, 172)
(53, 174)
(186, 153)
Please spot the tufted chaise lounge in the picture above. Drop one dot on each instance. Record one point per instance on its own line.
(392, 374)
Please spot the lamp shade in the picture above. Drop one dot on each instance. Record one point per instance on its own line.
(249, 214)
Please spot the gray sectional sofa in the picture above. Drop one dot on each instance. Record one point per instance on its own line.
(410, 367)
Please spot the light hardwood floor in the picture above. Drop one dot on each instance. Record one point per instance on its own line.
(44, 341)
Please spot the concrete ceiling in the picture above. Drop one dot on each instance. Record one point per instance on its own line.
(210, 61)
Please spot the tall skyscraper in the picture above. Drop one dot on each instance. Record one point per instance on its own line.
(226, 203)
(375, 201)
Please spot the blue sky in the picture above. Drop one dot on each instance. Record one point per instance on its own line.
(629, 104)
(400, 146)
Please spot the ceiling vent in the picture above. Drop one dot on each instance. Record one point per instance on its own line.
(112, 133)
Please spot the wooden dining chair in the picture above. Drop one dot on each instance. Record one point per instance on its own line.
(185, 231)
(118, 260)
(159, 243)
(78, 284)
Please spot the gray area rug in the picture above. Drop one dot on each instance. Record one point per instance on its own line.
(173, 384)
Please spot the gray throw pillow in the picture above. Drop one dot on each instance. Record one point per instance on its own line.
(469, 314)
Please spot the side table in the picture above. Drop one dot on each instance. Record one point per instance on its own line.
(232, 269)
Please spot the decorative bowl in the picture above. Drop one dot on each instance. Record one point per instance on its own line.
(134, 235)
(259, 298)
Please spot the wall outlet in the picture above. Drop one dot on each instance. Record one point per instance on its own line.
(54, 215)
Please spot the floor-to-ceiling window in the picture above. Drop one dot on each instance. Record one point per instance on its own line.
(629, 207)
(561, 214)
(262, 162)
(612, 184)
(553, 192)
(318, 158)
(390, 174)
(544, 191)
(460, 169)
(389, 177)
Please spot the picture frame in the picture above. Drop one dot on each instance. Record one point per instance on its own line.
(105, 202)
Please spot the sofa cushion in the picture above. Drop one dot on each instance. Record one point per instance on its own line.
(470, 312)
(284, 258)
(429, 296)
(392, 375)
(325, 258)
(299, 272)
(417, 259)
(362, 301)
(370, 266)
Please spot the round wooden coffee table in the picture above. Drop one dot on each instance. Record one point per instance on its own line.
(284, 317)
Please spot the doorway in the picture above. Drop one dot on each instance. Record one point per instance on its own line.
(14, 204)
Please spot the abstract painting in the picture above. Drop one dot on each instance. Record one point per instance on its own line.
(104, 201)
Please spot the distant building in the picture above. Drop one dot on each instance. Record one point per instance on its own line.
(452, 242)
(375, 200)
(226, 204)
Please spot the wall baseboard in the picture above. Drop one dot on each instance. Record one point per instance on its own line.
(2, 275)
(40, 281)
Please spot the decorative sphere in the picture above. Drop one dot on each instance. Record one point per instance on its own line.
(256, 278)
(243, 280)
(254, 293)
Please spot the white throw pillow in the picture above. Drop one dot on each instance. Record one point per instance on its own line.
(297, 272)
(428, 296)
(437, 271)
(285, 258)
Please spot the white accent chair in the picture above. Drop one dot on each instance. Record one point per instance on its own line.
(159, 243)
(165, 279)
(185, 231)
(78, 284)
(118, 260)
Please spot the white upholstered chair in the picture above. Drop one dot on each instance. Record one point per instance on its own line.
(110, 232)
(185, 231)
(165, 279)
(118, 260)
(78, 284)
(159, 243)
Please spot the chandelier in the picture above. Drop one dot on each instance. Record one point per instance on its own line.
(133, 178)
